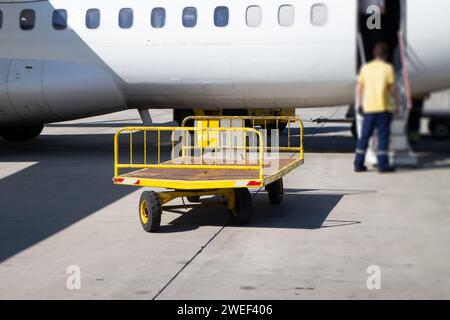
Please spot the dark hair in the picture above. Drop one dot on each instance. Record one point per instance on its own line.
(381, 50)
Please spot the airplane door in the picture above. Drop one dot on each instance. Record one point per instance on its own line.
(25, 89)
(328, 51)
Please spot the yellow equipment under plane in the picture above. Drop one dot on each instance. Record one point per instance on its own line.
(222, 156)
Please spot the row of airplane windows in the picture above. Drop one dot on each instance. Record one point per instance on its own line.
(286, 17)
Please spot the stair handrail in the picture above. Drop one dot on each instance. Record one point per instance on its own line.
(407, 93)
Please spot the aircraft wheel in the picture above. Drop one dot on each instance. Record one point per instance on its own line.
(242, 212)
(275, 191)
(439, 129)
(150, 211)
(21, 133)
(180, 114)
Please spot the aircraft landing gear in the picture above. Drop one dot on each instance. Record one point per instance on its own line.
(21, 133)
(180, 114)
(439, 128)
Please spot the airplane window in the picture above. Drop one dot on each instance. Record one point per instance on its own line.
(1, 18)
(93, 18)
(189, 17)
(27, 19)
(126, 18)
(158, 17)
(319, 14)
(286, 16)
(60, 19)
(221, 16)
(254, 16)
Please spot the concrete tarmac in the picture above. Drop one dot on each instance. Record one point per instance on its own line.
(58, 208)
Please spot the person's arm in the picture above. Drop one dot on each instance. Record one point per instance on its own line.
(360, 88)
(360, 92)
(383, 7)
(393, 89)
(395, 94)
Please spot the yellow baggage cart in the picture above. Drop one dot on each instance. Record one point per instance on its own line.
(207, 156)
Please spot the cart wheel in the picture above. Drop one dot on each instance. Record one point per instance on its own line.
(275, 191)
(150, 211)
(243, 210)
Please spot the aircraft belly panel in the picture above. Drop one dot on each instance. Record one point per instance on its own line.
(73, 89)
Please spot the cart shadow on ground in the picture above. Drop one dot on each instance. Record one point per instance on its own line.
(301, 209)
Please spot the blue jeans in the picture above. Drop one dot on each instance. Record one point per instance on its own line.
(382, 122)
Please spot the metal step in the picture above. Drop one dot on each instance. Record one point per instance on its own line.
(402, 154)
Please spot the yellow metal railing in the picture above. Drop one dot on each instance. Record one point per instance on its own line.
(259, 122)
(212, 155)
(211, 144)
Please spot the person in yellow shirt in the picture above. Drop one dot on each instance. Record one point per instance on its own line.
(376, 86)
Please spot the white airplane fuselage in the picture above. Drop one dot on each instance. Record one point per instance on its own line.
(49, 75)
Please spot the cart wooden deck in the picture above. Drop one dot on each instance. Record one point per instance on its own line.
(271, 170)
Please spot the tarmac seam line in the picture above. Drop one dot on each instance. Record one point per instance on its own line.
(190, 261)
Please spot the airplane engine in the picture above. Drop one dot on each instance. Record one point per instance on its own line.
(35, 92)
(73, 90)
